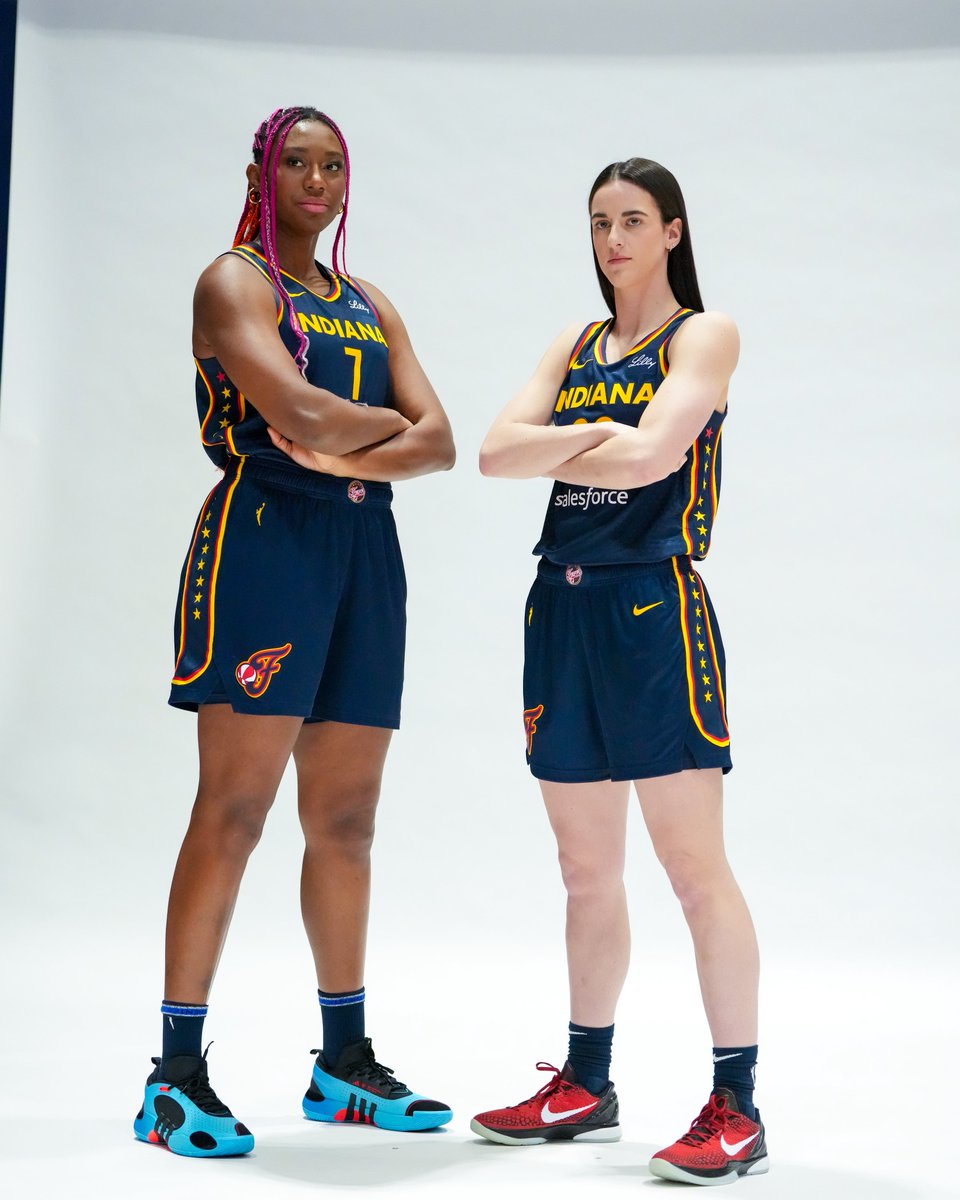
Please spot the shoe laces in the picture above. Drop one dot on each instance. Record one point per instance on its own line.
(367, 1070)
(711, 1121)
(556, 1084)
(197, 1088)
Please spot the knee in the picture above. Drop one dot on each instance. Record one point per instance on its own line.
(586, 875)
(231, 826)
(343, 824)
(694, 879)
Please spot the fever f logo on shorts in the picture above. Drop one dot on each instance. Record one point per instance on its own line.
(530, 718)
(254, 673)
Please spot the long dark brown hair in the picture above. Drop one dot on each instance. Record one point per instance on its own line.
(657, 180)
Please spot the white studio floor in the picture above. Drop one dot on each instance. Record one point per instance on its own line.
(845, 1116)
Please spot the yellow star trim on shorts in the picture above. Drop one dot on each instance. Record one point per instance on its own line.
(196, 614)
(206, 532)
(708, 696)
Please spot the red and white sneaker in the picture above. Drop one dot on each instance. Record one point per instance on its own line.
(721, 1145)
(562, 1111)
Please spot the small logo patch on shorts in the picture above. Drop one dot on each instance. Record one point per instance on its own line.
(530, 718)
(574, 575)
(356, 491)
(254, 673)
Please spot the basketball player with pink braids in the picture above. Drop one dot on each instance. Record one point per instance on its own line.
(290, 619)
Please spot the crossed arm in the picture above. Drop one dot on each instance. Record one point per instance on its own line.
(424, 445)
(522, 443)
(235, 321)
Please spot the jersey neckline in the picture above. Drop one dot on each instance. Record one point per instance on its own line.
(600, 345)
(330, 276)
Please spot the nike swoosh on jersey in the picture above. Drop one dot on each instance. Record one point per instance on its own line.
(296, 293)
(737, 1146)
(638, 612)
(550, 1117)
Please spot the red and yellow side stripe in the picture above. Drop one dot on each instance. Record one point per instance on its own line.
(213, 568)
(241, 402)
(709, 716)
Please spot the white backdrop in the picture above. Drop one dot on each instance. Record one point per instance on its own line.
(822, 203)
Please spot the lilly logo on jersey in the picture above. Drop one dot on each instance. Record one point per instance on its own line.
(642, 360)
(357, 304)
(254, 673)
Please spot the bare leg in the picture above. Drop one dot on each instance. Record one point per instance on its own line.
(241, 762)
(684, 816)
(590, 824)
(339, 768)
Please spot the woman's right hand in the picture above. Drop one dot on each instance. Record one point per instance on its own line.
(328, 464)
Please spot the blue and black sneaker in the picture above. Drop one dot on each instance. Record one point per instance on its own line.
(182, 1112)
(357, 1089)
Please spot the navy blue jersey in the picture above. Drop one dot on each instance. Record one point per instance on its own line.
(347, 355)
(595, 526)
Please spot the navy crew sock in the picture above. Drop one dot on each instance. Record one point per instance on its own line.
(182, 1029)
(735, 1067)
(343, 1021)
(589, 1055)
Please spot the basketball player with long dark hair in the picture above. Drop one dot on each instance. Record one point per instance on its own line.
(290, 618)
(624, 666)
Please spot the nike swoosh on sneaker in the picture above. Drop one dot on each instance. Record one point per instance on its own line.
(549, 1116)
(737, 1146)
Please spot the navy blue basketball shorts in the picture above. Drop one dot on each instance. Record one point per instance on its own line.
(293, 599)
(623, 673)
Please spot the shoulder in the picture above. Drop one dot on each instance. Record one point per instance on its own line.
(233, 279)
(563, 346)
(231, 271)
(707, 338)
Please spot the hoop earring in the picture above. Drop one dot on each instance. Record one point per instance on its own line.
(253, 196)
(340, 210)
